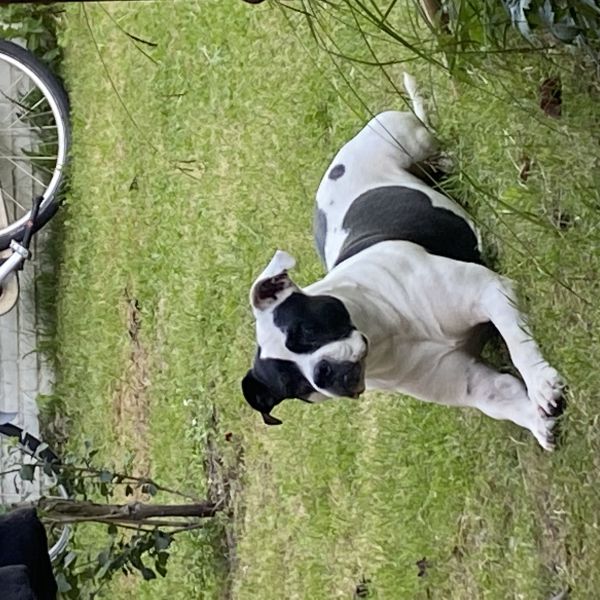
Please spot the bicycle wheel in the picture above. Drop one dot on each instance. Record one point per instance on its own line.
(22, 484)
(34, 139)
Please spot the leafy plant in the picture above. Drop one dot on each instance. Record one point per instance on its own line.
(37, 26)
(568, 21)
(139, 532)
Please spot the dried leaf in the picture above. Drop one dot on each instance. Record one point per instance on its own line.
(551, 96)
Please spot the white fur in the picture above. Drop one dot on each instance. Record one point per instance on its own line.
(419, 312)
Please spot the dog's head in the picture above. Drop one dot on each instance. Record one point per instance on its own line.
(308, 347)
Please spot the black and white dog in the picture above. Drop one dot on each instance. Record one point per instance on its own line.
(405, 299)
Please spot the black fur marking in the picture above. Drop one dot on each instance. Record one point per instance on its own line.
(272, 380)
(320, 231)
(401, 213)
(337, 171)
(310, 322)
(269, 288)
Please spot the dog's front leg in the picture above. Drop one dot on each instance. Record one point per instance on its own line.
(544, 385)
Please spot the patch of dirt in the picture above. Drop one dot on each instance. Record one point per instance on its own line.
(130, 401)
(223, 461)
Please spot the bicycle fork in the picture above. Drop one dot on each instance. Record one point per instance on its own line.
(20, 251)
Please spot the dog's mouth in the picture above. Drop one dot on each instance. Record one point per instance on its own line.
(307, 400)
(356, 394)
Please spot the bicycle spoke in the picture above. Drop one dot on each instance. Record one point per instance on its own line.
(14, 201)
(24, 129)
(28, 159)
(13, 85)
(22, 169)
(28, 110)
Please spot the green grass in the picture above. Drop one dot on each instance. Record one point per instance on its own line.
(188, 172)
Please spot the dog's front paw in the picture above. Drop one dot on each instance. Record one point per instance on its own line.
(546, 390)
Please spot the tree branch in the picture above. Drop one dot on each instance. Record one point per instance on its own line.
(70, 511)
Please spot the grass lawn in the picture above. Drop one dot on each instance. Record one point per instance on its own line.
(198, 157)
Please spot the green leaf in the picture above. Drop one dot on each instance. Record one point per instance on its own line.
(148, 573)
(27, 472)
(162, 540)
(105, 476)
(69, 558)
(565, 33)
(52, 54)
(149, 488)
(103, 557)
(62, 583)
(135, 559)
(43, 446)
(101, 572)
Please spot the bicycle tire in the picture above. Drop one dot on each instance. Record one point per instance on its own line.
(56, 96)
(30, 445)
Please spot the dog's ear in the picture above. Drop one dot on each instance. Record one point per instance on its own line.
(259, 397)
(273, 284)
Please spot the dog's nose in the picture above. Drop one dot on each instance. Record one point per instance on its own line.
(354, 380)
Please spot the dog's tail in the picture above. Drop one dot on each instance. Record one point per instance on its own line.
(417, 101)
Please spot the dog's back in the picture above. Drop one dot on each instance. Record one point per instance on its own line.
(369, 195)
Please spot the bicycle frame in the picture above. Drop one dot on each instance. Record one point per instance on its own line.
(20, 251)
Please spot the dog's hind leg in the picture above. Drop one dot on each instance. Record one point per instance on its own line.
(457, 378)
(395, 138)
(417, 101)
(504, 397)
(434, 168)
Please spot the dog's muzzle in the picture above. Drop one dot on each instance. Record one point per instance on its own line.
(341, 378)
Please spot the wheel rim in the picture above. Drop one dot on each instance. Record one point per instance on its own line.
(33, 140)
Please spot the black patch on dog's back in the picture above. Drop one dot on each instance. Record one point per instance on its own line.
(310, 322)
(405, 214)
(337, 172)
